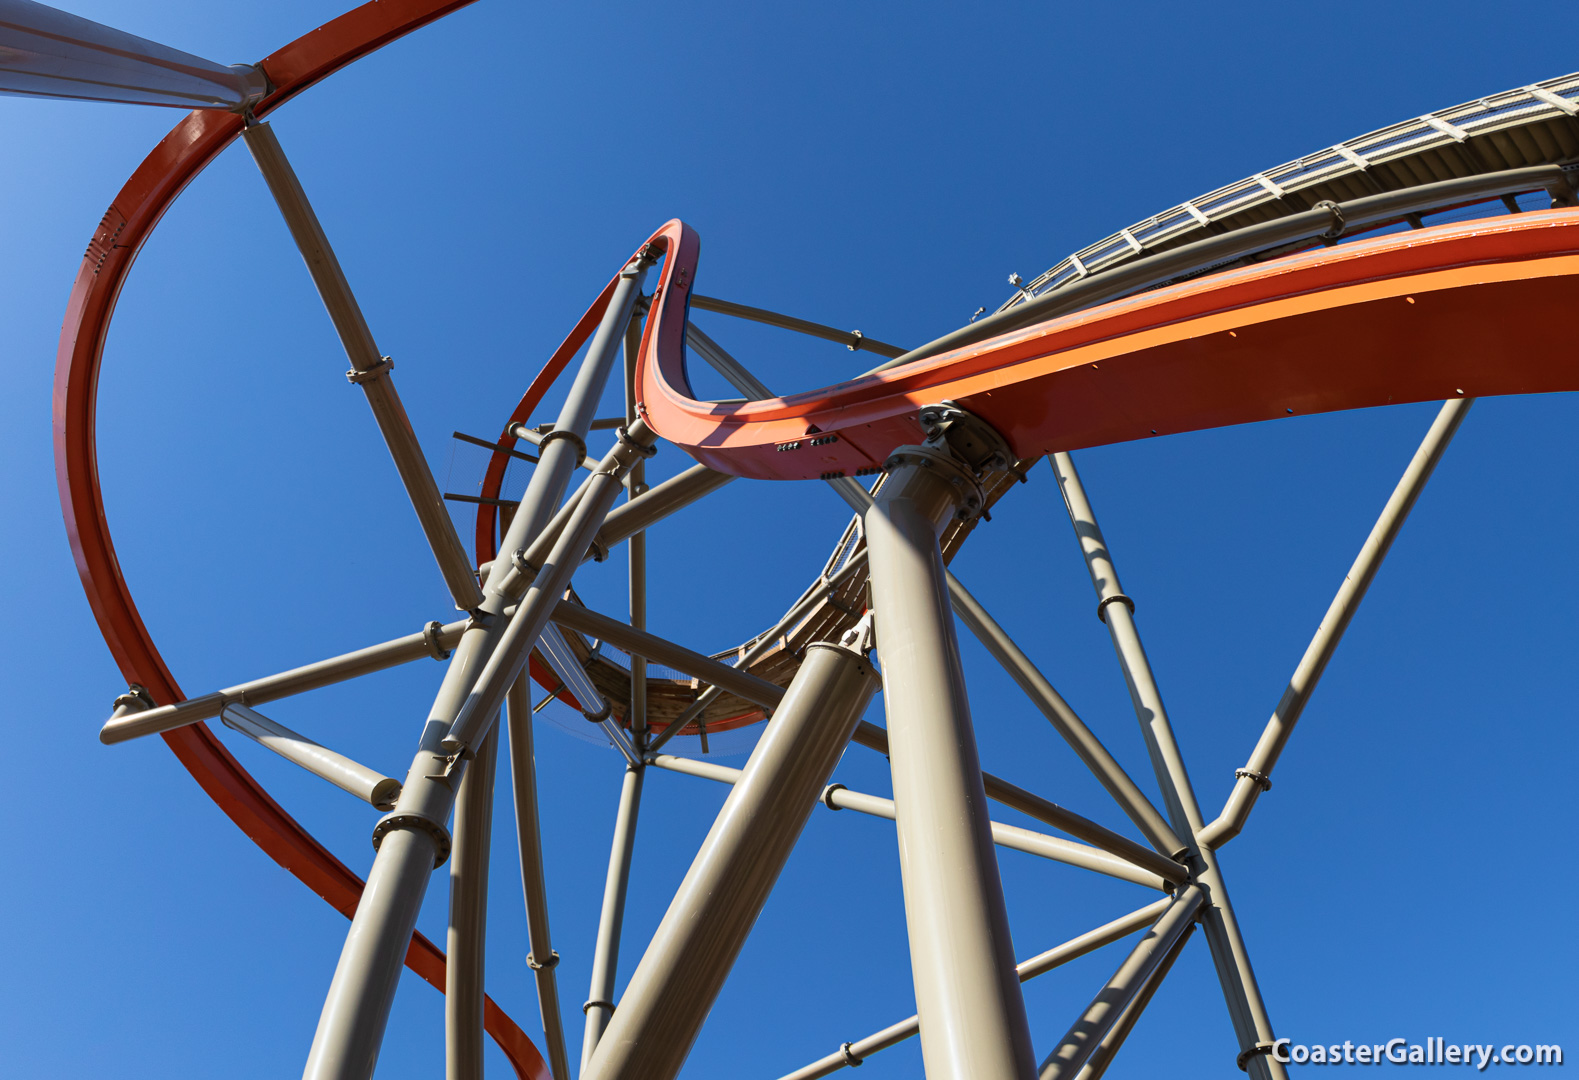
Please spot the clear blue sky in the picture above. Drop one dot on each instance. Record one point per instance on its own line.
(880, 167)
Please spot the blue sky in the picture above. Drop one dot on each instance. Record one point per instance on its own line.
(874, 167)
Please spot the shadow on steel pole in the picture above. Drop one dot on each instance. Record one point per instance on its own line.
(972, 1014)
(465, 949)
(707, 923)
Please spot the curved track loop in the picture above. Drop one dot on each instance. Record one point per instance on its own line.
(1474, 309)
(179, 157)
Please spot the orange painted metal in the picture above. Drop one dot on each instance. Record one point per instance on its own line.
(179, 157)
(1473, 309)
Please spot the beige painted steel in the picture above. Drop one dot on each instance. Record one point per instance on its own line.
(541, 957)
(369, 367)
(1247, 788)
(973, 1023)
(1129, 981)
(599, 1006)
(839, 797)
(349, 665)
(1230, 955)
(1039, 964)
(466, 946)
(369, 785)
(701, 934)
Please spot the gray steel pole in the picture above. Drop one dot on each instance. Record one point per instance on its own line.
(1230, 956)
(369, 367)
(1000, 790)
(410, 842)
(839, 797)
(548, 583)
(606, 954)
(1127, 983)
(1103, 1055)
(1256, 776)
(542, 958)
(636, 553)
(973, 1024)
(433, 642)
(1074, 731)
(369, 785)
(695, 946)
(466, 948)
(413, 839)
(853, 1053)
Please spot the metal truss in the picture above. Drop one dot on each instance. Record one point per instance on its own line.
(882, 615)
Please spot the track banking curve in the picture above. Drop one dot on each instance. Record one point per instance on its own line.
(195, 142)
(1467, 310)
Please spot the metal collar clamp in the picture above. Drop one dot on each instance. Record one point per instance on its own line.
(363, 375)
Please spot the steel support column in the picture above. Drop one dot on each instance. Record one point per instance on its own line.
(467, 939)
(606, 954)
(369, 367)
(541, 957)
(1129, 982)
(414, 839)
(972, 1014)
(1256, 776)
(695, 946)
(1230, 956)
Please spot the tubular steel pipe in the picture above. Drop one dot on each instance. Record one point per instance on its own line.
(1083, 828)
(1127, 983)
(973, 1024)
(636, 553)
(466, 951)
(1202, 254)
(369, 367)
(853, 1053)
(764, 642)
(1000, 790)
(695, 946)
(606, 954)
(1256, 776)
(839, 797)
(1230, 955)
(413, 839)
(660, 651)
(509, 656)
(537, 438)
(1080, 738)
(434, 642)
(675, 493)
(369, 785)
(541, 958)
(853, 340)
(1103, 1055)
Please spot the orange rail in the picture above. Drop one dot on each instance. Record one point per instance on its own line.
(1473, 309)
(180, 156)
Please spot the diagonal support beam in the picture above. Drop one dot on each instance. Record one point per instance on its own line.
(973, 1022)
(1256, 776)
(854, 1053)
(369, 367)
(1230, 955)
(706, 925)
(1080, 738)
(1127, 984)
(541, 957)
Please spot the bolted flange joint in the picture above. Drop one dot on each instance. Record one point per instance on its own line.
(934, 468)
(397, 820)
